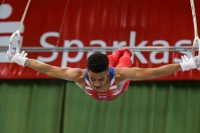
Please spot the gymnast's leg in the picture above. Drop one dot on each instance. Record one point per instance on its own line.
(125, 60)
(114, 58)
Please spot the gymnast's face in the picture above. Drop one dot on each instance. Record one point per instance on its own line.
(98, 80)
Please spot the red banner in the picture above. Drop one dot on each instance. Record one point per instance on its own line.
(104, 23)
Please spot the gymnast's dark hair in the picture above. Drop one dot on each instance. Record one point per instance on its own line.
(97, 62)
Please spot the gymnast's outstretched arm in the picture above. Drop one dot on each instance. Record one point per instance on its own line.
(67, 73)
(135, 73)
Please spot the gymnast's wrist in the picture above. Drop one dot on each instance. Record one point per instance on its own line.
(185, 66)
(20, 60)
